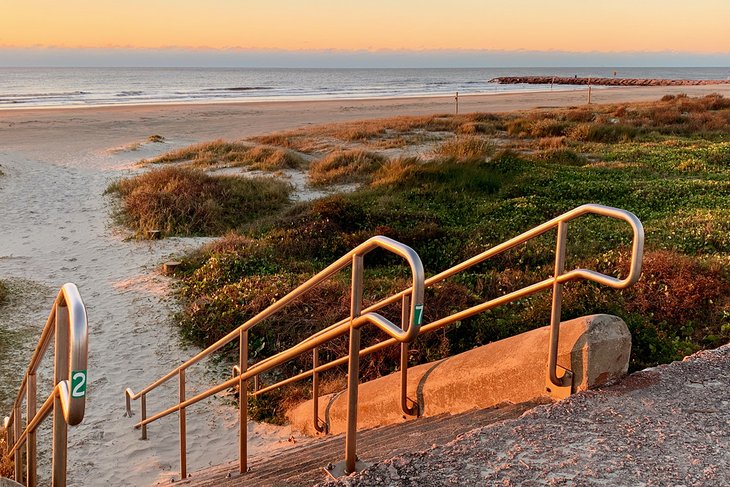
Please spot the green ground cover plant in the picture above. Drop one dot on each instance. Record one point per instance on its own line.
(668, 162)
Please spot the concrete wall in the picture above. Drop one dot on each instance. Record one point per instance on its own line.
(596, 348)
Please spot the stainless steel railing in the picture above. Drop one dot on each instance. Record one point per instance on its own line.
(557, 384)
(405, 333)
(67, 326)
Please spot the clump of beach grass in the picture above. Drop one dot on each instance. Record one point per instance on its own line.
(350, 166)
(232, 154)
(7, 469)
(181, 201)
(465, 148)
(395, 171)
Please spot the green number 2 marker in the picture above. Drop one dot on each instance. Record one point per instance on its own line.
(78, 383)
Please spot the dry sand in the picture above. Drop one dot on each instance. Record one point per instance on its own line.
(55, 224)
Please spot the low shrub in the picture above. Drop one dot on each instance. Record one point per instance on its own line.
(565, 157)
(520, 127)
(232, 154)
(604, 133)
(345, 167)
(7, 467)
(179, 201)
(548, 128)
(395, 171)
(579, 115)
(476, 128)
(675, 288)
(466, 148)
(3, 292)
(551, 142)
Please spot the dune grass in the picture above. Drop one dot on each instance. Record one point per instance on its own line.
(465, 148)
(7, 469)
(384, 133)
(345, 167)
(3, 293)
(672, 172)
(232, 154)
(179, 201)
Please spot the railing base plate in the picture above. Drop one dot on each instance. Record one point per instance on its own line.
(562, 391)
(338, 469)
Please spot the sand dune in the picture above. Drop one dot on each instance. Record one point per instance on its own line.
(54, 218)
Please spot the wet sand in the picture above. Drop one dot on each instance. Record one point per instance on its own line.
(56, 228)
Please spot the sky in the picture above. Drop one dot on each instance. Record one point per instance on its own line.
(456, 32)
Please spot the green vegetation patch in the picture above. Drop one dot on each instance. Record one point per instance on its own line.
(179, 201)
(673, 175)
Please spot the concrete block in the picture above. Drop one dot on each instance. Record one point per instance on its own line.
(595, 348)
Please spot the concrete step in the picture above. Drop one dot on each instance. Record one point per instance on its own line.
(303, 464)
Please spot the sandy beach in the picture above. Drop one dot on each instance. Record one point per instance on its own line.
(56, 229)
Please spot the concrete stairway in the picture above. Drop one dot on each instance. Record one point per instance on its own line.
(302, 465)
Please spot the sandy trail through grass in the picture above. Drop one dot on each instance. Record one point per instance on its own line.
(56, 230)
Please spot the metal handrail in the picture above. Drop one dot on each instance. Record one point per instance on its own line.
(68, 324)
(559, 385)
(407, 332)
(556, 282)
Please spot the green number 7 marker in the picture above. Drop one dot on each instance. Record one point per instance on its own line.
(418, 315)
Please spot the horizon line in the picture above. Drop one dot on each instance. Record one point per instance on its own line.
(242, 49)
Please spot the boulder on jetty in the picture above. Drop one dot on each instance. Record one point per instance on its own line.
(562, 80)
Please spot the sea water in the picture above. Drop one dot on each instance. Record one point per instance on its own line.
(60, 87)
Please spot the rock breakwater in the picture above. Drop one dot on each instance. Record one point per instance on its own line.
(563, 80)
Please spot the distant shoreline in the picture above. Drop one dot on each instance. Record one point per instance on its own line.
(281, 99)
(273, 115)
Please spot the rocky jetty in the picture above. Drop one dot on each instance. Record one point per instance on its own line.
(558, 80)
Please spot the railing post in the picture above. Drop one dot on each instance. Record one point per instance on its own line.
(60, 373)
(558, 386)
(181, 416)
(315, 392)
(143, 408)
(31, 469)
(243, 403)
(353, 377)
(404, 351)
(17, 431)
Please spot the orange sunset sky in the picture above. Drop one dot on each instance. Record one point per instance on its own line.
(700, 26)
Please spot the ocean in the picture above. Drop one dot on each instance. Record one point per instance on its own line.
(68, 87)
